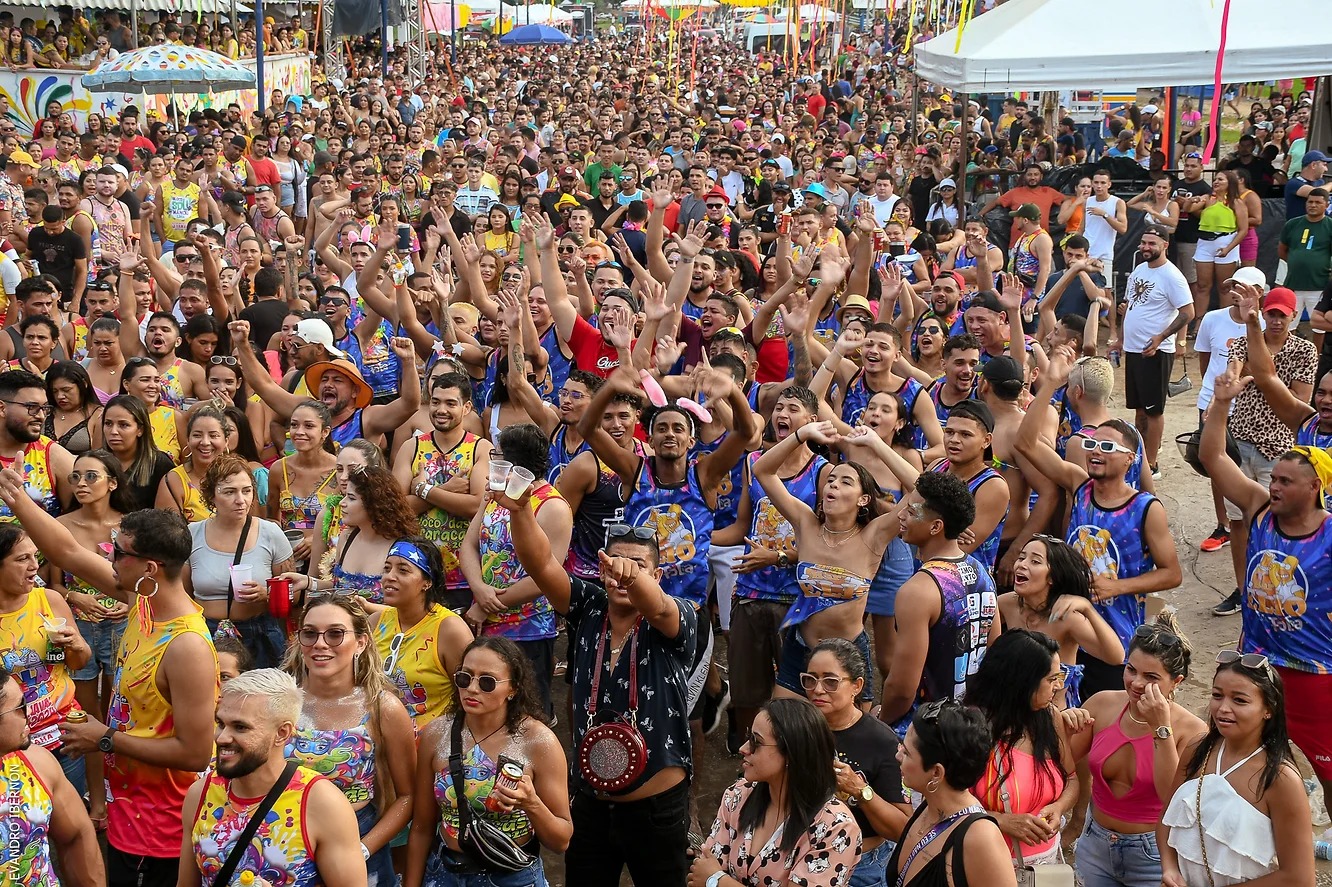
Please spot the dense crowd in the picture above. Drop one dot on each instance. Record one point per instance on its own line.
(336, 437)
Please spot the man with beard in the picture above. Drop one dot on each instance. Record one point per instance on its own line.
(338, 385)
(263, 170)
(256, 718)
(1030, 191)
(445, 473)
(1121, 531)
(181, 378)
(110, 215)
(45, 464)
(961, 361)
(158, 738)
(945, 307)
(44, 796)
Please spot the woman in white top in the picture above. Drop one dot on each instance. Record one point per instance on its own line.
(1240, 779)
(1156, 202)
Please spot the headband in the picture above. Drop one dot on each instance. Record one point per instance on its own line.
(1321, 462)
(413, 555)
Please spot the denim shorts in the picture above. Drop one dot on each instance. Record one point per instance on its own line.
(795, 656)
(1111, 859)
(871, 867)
(438, 875)
(104, 639)
(380, 864)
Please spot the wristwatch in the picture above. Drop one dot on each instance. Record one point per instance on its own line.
(365, 852)
(714, 879)
(783, 562)
(1164, 732)
(866, 792)
(422, 490)
(104, 744)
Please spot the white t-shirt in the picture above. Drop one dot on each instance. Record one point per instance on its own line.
(1100, 236)
(883, 209)
(1216, 332)
(1154, 297)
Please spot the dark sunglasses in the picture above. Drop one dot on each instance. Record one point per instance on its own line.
(333, 300)
(624, 531)
(332, 636)
(485, 683)
(1155, 633)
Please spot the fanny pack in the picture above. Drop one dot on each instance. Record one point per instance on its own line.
(480, 838)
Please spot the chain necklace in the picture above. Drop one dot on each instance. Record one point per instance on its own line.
(825, 532)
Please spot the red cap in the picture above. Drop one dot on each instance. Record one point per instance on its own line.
(1280, 299)
(717, 191)
(568, 171)
(458, 101)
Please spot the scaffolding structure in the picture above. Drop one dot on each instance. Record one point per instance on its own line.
(416, 42)
(335, 60)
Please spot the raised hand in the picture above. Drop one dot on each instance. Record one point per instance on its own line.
(795, 315)
(820, 432)
(471, 253)
(850, 339)
(1230, 383)
(542, 230)
(667, 353)
(692, 243)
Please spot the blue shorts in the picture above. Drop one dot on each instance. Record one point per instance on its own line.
(795, 656)
(380, 863)
(104, 639)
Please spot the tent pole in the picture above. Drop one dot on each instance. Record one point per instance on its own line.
(134, 21)
(383, 38)
(453, 30)
(259, 53)
(961, 193)
(1172, 114)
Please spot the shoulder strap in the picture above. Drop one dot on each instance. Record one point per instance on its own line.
(240, 552)
(959, 867)
(456, 774)
(256, 819)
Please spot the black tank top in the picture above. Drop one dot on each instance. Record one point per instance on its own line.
(934, 873)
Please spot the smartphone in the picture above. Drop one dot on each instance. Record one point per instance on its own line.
(404, 238)
(784, 224)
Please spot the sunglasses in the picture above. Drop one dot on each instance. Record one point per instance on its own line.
(1248, 660)
(332, 300)
(91, 476)
(716, 206)
(485, 683)
(1154, 633)
(755, 741)
(223, 360)
(332, 636)
(1105, 446)
(827, 684)
(117, 552)
(624, 531)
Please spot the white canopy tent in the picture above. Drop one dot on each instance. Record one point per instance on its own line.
(1074, 44)
(539, 14)
(811, 12)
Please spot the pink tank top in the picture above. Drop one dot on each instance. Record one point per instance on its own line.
(1029, 790)
(1142, 804)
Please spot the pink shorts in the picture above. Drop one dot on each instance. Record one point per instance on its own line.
(1249, 247)
(1309, 720)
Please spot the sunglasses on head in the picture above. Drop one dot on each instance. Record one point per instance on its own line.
(1248, 660)
(1162, 636)
(624, 531)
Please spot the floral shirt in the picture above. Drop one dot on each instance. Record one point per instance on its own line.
(823, 857)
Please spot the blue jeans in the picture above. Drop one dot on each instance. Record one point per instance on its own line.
(104, 639)
(263, 636)
(1111, 859)
(871, 867)
(75, 771)
(380, 863)
(438, 875)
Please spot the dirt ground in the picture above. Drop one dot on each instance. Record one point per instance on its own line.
(1207, 579)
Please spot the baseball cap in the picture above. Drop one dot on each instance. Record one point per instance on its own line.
(312, 330)
(1149, 109)
(21, 158)
(948, 183)
(975, 409)
(987, 299)
(568, 171)
(1029, 211)
(1158, 230)
(1250, 276)
(1310, 157)
(1280, 299)
(234, 199)
(1002, 369)
(781, 186)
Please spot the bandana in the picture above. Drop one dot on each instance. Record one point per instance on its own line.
(413, 555)
(1322, 465)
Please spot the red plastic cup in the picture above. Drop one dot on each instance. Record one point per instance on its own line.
(279, 597)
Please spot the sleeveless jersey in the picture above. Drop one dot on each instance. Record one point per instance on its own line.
(1308, 435)
(278, 853)
(858, 396)
(557, 370)
(684, 525)
(598, 512)
(348, 431)
(48, 691)
(1288, 596)
(560, 455)
(172, 394)
(989, 549)
(179, 205)
(94, 259)
(193, 506)
(412, 665)
(35, 464)
(774, 531)
(484, 388)
(111, 227)
(959, 638)
(446, 530)
(380, 367)
(267, 226)
(942, 409)
(826, 330)
(144, 813)
(80, 339)
(344, 757)
(165, 434)
(1070, 423)
(534, 620)
(1112, 543)
(25, 815)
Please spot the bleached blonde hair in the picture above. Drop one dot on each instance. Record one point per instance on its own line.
(279, 688)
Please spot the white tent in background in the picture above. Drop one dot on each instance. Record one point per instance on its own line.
(539, 14)
(813, 13)
(1074, 44)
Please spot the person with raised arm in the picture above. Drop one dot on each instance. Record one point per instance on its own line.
(158, 736)
(1122, 532)
(631, 649)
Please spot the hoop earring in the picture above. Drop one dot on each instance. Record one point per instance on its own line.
(139, 583)
(932, 786)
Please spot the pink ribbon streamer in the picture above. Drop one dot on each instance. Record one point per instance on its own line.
(1217, 105)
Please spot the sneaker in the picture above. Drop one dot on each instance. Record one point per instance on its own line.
(1179, 386)
(1156, 472)
(713, 706)
(1230, 606)
(1219, 539)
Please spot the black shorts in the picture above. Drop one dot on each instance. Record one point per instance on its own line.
(1145, 381)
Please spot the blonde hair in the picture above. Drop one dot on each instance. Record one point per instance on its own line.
(278, 687)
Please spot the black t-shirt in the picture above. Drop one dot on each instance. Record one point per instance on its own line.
(1187, 232)
(600, 212)
(919, 194)
(56, 254)
(132, 202)
(663, 666)
(1074, 299)
(265, 317)
(1325, 304)
(869, 746)
(144, 495)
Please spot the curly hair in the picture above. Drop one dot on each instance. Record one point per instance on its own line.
(526, 700)
(385, 504)
(223, 467)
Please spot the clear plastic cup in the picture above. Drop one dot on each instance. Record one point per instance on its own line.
(499, 474)
(241, 575)
(519, 480)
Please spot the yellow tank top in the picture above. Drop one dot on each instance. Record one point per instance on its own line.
(163, 421)
(47, 689)
(412, 663)
(179, 205)
(80, 337)
(144, 813)
(194, 507)
(35, 465)
(446, 530)
(286, 860)
(25, 855)
(1217, 219)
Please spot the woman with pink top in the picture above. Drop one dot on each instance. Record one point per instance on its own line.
(1133, 740)
(1030, 784)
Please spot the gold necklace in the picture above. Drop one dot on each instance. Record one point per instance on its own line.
(1134, 718)
(824, 532)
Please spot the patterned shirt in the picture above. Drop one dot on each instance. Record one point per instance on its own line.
(1251, 419)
